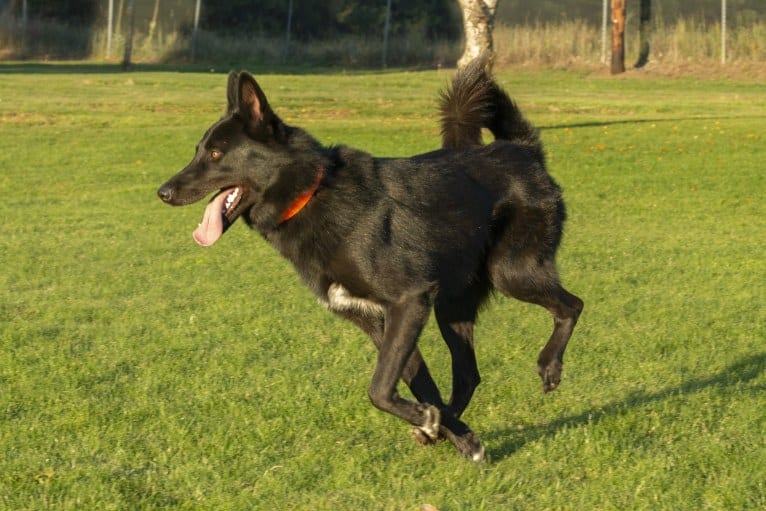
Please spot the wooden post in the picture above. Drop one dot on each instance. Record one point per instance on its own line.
(618, 37)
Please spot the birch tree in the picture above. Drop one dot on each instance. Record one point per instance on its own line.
(478, 18)
(153, 25)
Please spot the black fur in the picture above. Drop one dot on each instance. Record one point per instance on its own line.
(382, 241)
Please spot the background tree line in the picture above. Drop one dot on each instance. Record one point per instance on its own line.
(323, 19)
(311, 19)
(350, 33)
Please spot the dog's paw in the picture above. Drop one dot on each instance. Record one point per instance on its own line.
(469, 446)
(428, 433)
(551, 375)
(431, 423)
(423, 439)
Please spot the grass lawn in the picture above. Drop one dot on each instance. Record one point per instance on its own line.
(139, 371)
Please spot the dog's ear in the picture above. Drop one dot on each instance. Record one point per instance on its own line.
(252, 100)
(231, 91)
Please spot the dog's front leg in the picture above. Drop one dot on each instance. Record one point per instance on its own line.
(403, 323)
(416, 374)
(370, 317)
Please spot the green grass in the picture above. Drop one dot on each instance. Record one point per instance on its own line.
(138, 371)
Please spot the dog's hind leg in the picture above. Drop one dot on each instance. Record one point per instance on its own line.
(456, 318)
(537, 282)
(565, 308)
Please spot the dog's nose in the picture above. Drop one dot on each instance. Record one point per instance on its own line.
(165, 193)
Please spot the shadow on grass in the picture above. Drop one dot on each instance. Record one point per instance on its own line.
(746, 370)
(597, 124)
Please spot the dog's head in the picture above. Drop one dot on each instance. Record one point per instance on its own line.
(246, 158)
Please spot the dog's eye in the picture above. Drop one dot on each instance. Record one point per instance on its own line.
(215, 154)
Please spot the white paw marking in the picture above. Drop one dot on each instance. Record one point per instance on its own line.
(478, 456)
(431, 425)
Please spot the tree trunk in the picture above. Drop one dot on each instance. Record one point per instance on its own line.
(618, 36)
(10, 8)
(644, 27)
(478, 17)
(118, 21)
(152, 25)
(24, 26)
(127, 59)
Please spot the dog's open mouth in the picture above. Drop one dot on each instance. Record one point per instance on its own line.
(220, 213)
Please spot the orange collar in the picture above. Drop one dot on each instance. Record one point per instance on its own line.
(300, 202)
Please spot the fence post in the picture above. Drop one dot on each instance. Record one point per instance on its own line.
(109, 26)
(385, 33)
(604, 14)
(723, 31)
(24, 26)
(195, 30)
(289, 27)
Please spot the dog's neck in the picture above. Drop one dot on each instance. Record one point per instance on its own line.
(300, 202)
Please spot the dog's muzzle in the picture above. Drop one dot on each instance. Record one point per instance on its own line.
(165, 193)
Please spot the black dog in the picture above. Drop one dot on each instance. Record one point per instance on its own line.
(383, 240)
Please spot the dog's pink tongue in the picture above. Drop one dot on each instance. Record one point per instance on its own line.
(210, 229)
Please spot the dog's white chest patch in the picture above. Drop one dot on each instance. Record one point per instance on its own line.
(340, 299)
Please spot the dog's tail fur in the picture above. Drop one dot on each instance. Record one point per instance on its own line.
(476, 101)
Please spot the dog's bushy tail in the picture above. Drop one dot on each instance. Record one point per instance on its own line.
(476, 101)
